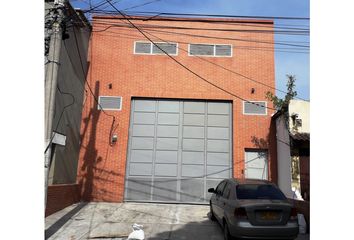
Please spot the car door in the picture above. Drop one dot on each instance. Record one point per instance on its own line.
(216, 204)
(224, 201)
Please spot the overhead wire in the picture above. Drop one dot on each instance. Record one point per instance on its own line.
(203, 36)
(185, 67)
(279, 49)
(227, 69)
(88, 85)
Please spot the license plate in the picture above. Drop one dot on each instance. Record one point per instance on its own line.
(269, 215)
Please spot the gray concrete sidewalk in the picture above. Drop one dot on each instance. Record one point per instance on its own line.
(114, 220)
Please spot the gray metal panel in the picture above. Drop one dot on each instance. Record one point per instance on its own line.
(167, 143)
(170, 48)
(201, 49)
(218, 145)
(218, 133)
(193, 144)
(141, 47)
(106, 102)
(141, 156)
(256, 173)
(142, 143)
(167, 131)
(218, 108)
(165, 189)
(138, 188)
(143, 130)
(194, 107)
(144, 118)
(218, 158)
(165, 170)
(223, 50)
(218, 171)
(194, 119)
(180, 145)
(192, 170)
(192, 190)
(254, 108)
(193, 157)
(140, 169)
(166, 156)
(256, 164)
(219, 120)
(145, 105)
(168, 118)
(169, 106)
(193, 132)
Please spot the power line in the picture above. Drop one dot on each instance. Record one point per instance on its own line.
(286, 32)
(227, 69)
(204, 36)
(255, 48)
(93, 95)
(185, 67)
(220, 15)
(143, 4)
(61, 115)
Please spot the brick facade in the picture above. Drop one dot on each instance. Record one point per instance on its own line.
(101, 169)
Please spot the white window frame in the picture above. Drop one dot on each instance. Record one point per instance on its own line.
(151, 46)
(214, 44)
(260, 114)
(113, 109)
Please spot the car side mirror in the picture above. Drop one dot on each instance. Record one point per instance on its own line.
(211, 190)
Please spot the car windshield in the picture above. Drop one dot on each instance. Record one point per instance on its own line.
(259, 191)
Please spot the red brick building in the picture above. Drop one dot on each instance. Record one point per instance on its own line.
(176, 134)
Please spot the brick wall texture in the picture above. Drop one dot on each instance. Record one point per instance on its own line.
(61, 196)
(101, 169)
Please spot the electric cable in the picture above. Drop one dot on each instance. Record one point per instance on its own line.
(185, 67)
(208, 36)
(227, 69)
(61, 115)
(88, 85)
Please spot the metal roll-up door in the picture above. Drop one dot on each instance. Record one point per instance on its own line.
(177, 150)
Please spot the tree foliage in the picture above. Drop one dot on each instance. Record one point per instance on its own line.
(282, 104)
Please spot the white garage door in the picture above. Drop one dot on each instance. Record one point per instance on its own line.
(177, 149)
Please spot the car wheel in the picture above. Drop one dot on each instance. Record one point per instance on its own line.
(227, 235)
(212, 216)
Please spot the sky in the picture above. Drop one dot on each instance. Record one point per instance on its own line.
(293, 63)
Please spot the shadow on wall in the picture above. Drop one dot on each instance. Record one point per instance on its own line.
(269, 143)
(94, 176)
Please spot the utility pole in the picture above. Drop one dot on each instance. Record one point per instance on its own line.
(51, 79)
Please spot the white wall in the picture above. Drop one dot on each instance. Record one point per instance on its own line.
(302, 109)
(284, 158)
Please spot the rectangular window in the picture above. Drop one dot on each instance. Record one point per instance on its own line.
(150, 48)
(214, 50)
(255, 108)
(109, 103)
(259, 191)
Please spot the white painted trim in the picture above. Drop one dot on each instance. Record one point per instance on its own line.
(260, 114)
(115, 109)
(214, 44)
(151, 47)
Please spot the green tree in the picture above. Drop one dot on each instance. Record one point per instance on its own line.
(282, 104)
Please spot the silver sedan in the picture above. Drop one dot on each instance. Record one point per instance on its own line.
(253, 209)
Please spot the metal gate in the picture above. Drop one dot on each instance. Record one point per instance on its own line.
(177, 149)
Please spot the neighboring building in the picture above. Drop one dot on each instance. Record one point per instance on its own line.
(71, 77)
(166, 135)
(293, 149)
